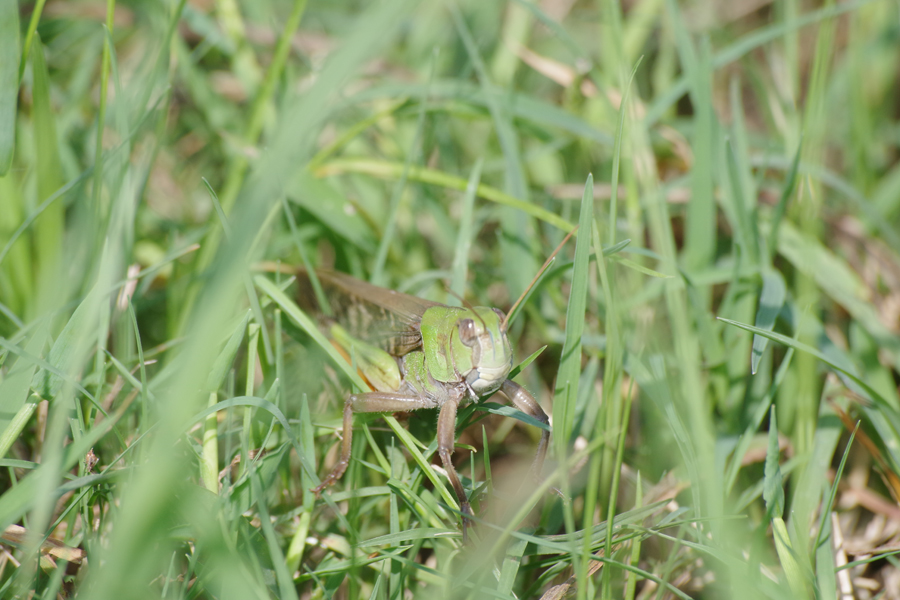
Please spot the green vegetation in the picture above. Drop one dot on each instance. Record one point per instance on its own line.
(722, 383)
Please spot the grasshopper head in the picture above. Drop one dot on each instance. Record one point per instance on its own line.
(482, 340)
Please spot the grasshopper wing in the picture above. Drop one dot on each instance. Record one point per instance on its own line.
(377, 315)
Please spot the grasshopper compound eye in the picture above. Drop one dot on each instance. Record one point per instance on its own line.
(467, 333)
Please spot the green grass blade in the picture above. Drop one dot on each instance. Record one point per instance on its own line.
(771, 299)
(286, 589)
(773, 492)
(386, 169)
(787, 191)
(742, 215)
(225, 358)
(125, 373)
(510, 567)
(239, 165)
(105, 66)
(747, 437)
(842, 367)
(68, 352)
(565, 395)
(793, 571)
(700, 220)
(631, 577)
(520, 106)
(822, 548)
(639, 268)
(464, 236)
(269, 407)
(14, 392)
(566, 391)
(332, 209)
(507, 411)
(9, 81)
(839, 281)
(48, 236)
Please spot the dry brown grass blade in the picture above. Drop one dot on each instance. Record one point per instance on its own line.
(16, 534)
(557, 592)
(891, 480)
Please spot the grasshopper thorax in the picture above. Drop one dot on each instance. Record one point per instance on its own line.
(467, 344)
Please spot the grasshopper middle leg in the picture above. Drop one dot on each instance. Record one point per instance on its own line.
(368, 403)
(446, 438)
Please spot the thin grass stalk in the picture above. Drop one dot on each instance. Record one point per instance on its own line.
(29, 34)
(567, 378)
(100, 215)
(631, 576)
(209, 466)
(247, 430)
(460, 266)
(9, 84)
(603, 462)
(815, 128)
(49, 229)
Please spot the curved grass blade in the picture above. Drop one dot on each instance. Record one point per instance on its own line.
(865, 389)
(521, 106)
(392, 170)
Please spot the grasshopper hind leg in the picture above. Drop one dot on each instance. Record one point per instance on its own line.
(369, 402)
(346, 443)
(388, 402)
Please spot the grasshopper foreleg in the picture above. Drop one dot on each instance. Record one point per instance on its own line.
(367, 403)
(525, 402)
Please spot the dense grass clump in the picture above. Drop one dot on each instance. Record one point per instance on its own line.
(717, 344)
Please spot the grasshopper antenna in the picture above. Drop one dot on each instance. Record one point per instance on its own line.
(540, 272)
(469, 306)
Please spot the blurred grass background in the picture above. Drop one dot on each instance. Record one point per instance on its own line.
(723, 383)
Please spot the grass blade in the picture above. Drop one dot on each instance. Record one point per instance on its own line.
(566, 391)
(48, 235)
(464, 237)
(771, 299)
(393, 170)
(773, 492)
(9, 81)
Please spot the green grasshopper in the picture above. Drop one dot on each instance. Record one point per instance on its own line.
(415, 354)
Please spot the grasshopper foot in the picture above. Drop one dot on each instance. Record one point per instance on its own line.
(559, 493)
(336, 473)
(466, 509)
(539, 480)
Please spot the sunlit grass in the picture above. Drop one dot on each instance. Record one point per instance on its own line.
(163, 166)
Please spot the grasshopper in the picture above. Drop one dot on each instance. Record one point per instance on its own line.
(415, 354)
